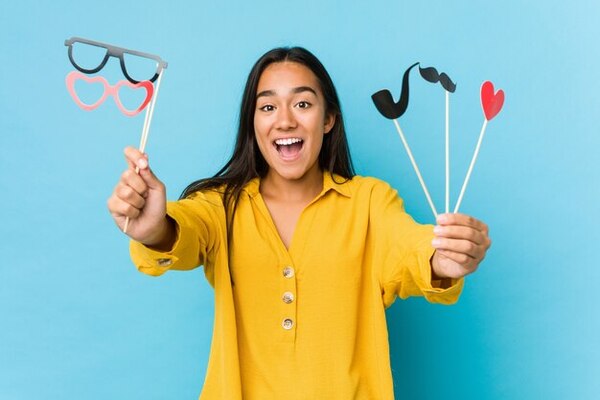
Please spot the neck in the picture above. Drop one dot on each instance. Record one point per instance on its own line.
(301, 190)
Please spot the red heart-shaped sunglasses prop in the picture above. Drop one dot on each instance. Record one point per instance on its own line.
(491, 102)
(109, 90)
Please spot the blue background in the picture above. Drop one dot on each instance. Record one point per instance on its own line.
(79, 322)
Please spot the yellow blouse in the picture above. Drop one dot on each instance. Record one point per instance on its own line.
(306, 322)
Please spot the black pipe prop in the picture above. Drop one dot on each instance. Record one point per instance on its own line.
(385, 104)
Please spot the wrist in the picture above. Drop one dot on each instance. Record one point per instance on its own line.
(438, 280)
(165, 236)
(434, 263)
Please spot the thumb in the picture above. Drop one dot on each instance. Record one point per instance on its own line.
(148, 176)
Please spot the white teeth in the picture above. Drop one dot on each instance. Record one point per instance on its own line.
(287, 142)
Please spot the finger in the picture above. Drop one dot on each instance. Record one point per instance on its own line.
(135, 181)
(139, 161)
(465, 247)
(129, 195)
(133, 157)
(465, 261)
(149, 178)
(461, 219)
(460, 232)
(121, 208)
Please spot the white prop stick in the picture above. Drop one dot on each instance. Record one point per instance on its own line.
(462, 191)
(447, 151)
(146, 130)
(414, 164)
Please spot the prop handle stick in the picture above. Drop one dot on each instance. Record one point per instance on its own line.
(447, 151)
(149, 114)
(145, 131)
(414, 164)
(462, 191)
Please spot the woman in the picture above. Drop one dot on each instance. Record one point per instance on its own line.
(304, 256)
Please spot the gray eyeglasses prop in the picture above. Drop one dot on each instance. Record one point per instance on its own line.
(117, 52)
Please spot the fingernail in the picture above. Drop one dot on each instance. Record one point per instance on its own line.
(442, 218)
(436, 242)
(438, 229)
(142, 163)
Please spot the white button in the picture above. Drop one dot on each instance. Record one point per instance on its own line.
(288, 297)
(288, 272)
(287, 324)
(164, 262)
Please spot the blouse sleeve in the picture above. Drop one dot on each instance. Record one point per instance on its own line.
(198, 220)
(405, 249)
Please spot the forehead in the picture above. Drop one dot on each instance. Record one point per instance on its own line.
(281, 77)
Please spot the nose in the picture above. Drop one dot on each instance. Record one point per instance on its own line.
(285, 119)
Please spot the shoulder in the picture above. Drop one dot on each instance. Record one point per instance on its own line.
(207, 197)
(366, 186)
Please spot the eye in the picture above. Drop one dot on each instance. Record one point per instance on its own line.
(303, 104)
(267, 108)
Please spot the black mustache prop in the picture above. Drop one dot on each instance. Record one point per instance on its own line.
(385, 104)
(430, 74)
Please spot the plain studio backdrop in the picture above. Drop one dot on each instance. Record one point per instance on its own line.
(79, 322)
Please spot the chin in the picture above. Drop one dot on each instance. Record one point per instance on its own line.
(291, 174)
(295, 172)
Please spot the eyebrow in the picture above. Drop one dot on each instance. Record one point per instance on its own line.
(296, 90)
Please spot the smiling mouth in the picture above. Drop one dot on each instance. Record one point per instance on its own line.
(288, 147)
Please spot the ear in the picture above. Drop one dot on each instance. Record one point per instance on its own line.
(329, 122)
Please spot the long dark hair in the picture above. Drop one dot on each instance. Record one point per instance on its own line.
(247, 162)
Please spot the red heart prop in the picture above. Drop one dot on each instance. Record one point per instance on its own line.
(490, 102)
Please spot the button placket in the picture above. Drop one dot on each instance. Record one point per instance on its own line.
(288, 303)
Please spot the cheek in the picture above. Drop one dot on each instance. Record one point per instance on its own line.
(261, 137)
(261, 127)
(256, 126)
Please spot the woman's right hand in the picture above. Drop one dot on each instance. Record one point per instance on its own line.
(141, 198)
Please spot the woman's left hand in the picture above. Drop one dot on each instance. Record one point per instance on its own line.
(461, 242)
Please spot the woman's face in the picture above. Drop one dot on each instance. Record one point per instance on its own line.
(290, 120)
